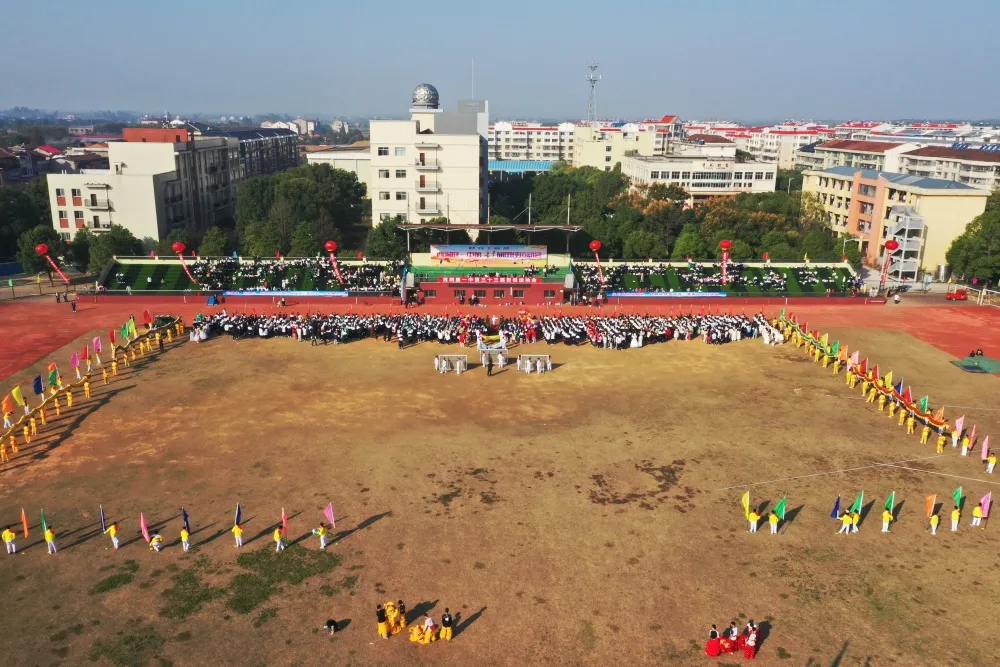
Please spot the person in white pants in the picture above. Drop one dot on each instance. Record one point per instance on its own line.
(754, 519)
(773, 521)
(8, 539)
(845, 524)
(956, 515)
(991, 463)
(977, 516)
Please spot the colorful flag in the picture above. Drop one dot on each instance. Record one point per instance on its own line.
(863, 368)
(131, 327)
(17, 395)
(143, 527)
(239, 515)
(53, 366)
(745, 501)
(875, 374)
(890, 501)
(781, 315)
(124, 332)
(972, 435)
(931, 502)
(53, 378)
(781, 508)
(74, 360)
(24, 523)
(37, 386)
(957, 496)
(7, 405)
(97, 344)
(939, 415)
(836, 509)
(45, 526)
(986, 447)
(824, 340)
(146, 317)
(284, 522)
(86, 353)
(835, 348)
(899, 387)
(186, 519)
(111, 337)
(104, 526)
(908, 396)
(855, 357)
(858, 502)
(888, 379)
(985, 503)
(329, 514)
(959, 423)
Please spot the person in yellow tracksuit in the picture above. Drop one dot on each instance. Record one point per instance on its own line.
(237, 531)
(185, 538)
(3, 452)
(911, 423)
(50, 540)
(112, 531)
(86, 388)
(104, 374)
(836, 366)
(881, 402)
(321, 533)
(850, 378)
(977, 517)
(156, 542)
(956, 516)
(34, 426)
(935, 520)
(8, 540)
(925, 434)
(845, 524)
(401, 619)
(872, 393)
(886, 520)
(279, 546)
(892, 409)
(754, 519)
(69, 398)
(865, 385)
(965, 445)
(27, 434)
(772, 520)
(991, 463)
(941, 440)
(855, 520)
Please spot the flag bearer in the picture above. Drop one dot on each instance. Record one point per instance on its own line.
(956, 515)
(8, 539)
(935, 520)
(772, 520)
(886, 520)
(977, 516)
(113, 532)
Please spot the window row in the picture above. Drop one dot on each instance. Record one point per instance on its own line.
(384, 173)
(385, 196)
(398, 151)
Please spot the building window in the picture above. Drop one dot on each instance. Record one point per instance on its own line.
(383, 196)
(549, 294)
(499, 293)
(759, 175)
(400, 173)
(686, 175)
(738, 176)
(607, 169)
(460, 294)
(385, 217)
(675, 175)
(400, 151)
(383, 173)
(97, 222)
(481, 293)
(76, 192)
(383, 151)
(65, 236)
(400, 196)
(607, 159)
(60, 192)
(78, 215)
(607, 148)
(518, 293)
(63, 215)
(653, 175)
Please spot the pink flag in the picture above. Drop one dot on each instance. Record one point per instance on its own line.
(143, 527)
(284, 522)
(986, 447)
(329, 514)
(972, 436)
(74, 360)
(959, 422)
(97, 344)
(985, 504)
(854, 358)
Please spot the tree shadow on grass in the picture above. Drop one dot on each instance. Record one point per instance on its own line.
(462, 623)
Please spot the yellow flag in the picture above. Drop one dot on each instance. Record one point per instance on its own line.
(888, 379)
(824, 340)
(16, 393)
(745, 501)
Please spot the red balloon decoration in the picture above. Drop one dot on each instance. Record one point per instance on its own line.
(725, 244)
(361, 256)
(41, 249)
(891, 245)
(179, 247)
(595, 245)
(331, 246)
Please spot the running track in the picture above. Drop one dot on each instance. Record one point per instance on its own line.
(31, 329)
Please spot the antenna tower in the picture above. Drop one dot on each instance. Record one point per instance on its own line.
(592, 78)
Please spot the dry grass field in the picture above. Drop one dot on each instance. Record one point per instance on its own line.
(581, 517)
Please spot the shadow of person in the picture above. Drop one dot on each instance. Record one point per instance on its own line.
(790, 517)
(897, 510)
(763, 630)
(343, 624)
(344, 534)
(421, 609)
(462, 623)
(864, 513)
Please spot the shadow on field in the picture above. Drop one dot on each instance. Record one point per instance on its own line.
(220, 532)
(864, 513)
(897, 510)
(462, 623)
(839, 660)
(790, 517)
(270, 529)
(344, 534)
(421, 609)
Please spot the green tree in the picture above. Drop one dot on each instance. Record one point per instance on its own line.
(976, 252)
(215, 243)
(642, 244)
(853, 253)
(253, 203)
(79, 249)
(304, 243)
(385, 241)
(664, 192)
(38, 192)
(262, 240)
(689, 243)
(788, 180)
(285, 220)
(115, 241)
(741, 250)
(743, 156)
(30, 260)
(18, 214)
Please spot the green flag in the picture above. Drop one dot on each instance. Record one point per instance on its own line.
(958, 497)
(53, 377)
(858, 502)
(131, 327)
(781, 508)
(835, 348)
(124, 331)
(923, 404)
(45, 526)
(891, 501)
(782, 315)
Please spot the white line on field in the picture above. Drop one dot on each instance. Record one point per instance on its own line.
(943, 474)
(833, 472)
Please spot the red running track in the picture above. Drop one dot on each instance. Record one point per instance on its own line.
(32, 329)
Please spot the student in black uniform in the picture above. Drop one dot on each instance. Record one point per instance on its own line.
(383, 626)
(446, 622)
(332, 626)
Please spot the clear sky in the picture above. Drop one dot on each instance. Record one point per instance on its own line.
(744, 59)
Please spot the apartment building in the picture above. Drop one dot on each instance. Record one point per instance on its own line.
(159, 179)
(518, 140)
(602, 147)
(954, 135)
(432, 165)
(976, 167)
(872, 155)
(300, 126)
(261, 152)
(355, 159)
(923, 214)
(779, 143)
(703, 175)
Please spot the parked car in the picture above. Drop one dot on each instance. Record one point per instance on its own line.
(957, 295)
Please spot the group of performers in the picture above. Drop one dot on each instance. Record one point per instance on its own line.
(731, 640)
(391, 619)
(610, 332)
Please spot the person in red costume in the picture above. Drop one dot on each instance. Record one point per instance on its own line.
(750, 648)
(712, 647)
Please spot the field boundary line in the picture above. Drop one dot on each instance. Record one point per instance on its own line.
(943, 474)
(835, 472)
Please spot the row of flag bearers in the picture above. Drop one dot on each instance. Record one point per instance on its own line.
(850, 519)
(153, 538)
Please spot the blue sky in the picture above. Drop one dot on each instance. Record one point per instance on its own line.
(747, 59)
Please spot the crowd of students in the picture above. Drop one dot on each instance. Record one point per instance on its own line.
(609, 332)
(290, 274)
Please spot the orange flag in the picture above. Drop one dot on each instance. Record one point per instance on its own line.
(8, 405)
(931, 501)
(24, 523)
(939, 415)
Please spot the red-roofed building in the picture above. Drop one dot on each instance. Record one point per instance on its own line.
(977, 167)
(779, 143)
(872, 155)
(47, 151)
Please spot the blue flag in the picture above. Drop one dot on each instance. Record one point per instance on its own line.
(187, 524)
(239, 515)
(104, 526)
(836, 509)
(38, 387)
(899, 387)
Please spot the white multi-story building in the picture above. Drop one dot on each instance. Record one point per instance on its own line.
(355, 159)
(949, 135)
(519, 140)
(872, 155)
(432, 165)
(158, 180)
(703, 176)
(977, 167)
(779, 143)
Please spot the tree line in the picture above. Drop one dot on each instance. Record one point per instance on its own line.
(976, 252)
